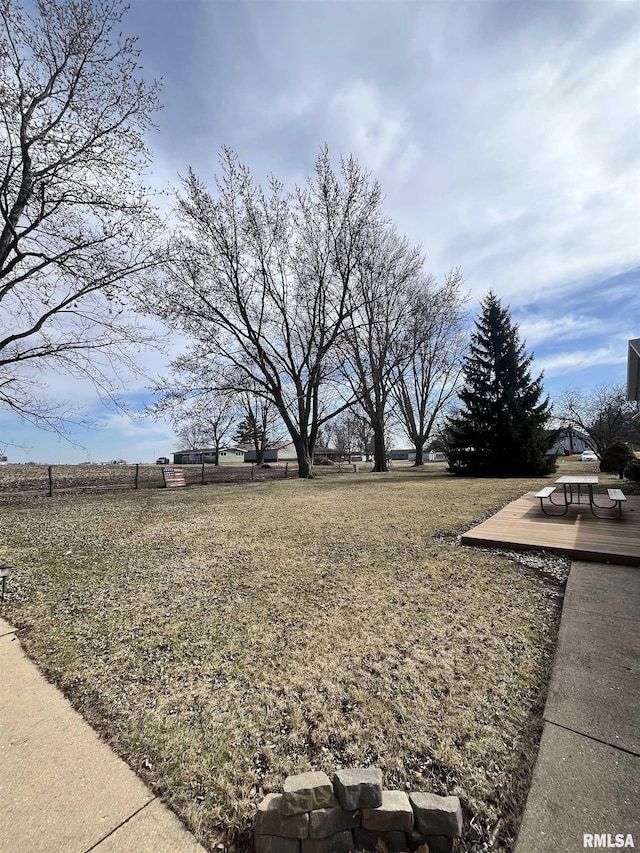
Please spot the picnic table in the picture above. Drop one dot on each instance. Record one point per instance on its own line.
(579, 481)
(573, 490)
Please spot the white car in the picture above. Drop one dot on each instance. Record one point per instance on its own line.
(588, 456)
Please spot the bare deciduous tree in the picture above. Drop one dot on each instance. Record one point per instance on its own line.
(434, 344)
(364, 434)
(203, 413)
(345, 434)
(374, 329)
(604, 415)
(262, 282)
(76, 228)
(207, 423)
(260, 427)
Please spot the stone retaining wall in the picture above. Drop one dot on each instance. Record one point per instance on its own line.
(314, 815)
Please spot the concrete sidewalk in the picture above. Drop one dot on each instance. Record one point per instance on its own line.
(62, 789)
(587, 776)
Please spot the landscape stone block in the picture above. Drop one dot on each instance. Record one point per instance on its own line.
(342, 842)
(359, 789)
(395, 813)
(440, 843)
(396, 841)
(436, 815)
(435, 843)
(275, 844)
(305, 792)
(271, 821)
(325, 822)
(367, 839)
(415, 839)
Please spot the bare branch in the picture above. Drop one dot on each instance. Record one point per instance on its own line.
(434, 345)
(78, 235)
(261, 283)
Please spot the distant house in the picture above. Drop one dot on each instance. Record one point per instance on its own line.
(194, 457)
(231, 456)
(283, 451)
(410, 455)
(569, 441)
(207, 455)
(399, 455)
(332, 454)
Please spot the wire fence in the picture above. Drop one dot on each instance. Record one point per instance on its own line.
(25, 482)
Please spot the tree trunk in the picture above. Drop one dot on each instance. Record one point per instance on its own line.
(305, 461)
(257, 446)
(379, 449)
(419, 453)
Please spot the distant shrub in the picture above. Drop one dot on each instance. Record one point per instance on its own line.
(632, 471)
(616, 457)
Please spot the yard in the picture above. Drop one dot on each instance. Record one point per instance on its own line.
(221, 637)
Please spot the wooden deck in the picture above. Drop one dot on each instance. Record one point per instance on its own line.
(523, 526)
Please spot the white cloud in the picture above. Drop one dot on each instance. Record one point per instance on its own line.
(580, 360)
(564, 328)
(372, 128)
(529, 174)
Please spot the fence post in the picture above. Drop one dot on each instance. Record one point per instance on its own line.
(50, 480)
(136, 482)
(252, 467)
(203, 473)
(286, 470)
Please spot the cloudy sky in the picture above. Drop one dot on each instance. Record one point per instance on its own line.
(505, 136)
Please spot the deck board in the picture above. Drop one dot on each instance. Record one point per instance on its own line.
(580, 535)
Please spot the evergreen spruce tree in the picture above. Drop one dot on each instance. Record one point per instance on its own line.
(249, 431)
(500, 429)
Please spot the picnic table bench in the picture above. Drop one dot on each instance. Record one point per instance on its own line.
(545, 495)
(616, 496)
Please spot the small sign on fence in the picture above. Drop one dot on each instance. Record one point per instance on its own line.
(173, 477)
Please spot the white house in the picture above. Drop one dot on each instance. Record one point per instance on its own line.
(569, 441)
(231, 456)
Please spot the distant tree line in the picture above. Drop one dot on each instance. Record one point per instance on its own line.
(308, 303)
(311, 310)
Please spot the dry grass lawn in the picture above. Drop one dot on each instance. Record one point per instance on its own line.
(223, 637)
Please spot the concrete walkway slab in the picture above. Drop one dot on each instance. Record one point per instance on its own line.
(149, 831)
(61, 787)
(579, 786)
(587, 776)
(604, 590)
(595, 685)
